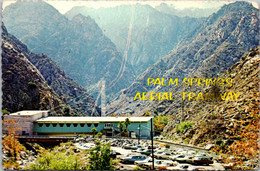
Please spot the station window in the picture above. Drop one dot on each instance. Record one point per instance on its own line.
(75, 124)
(82, 124)
(61, 124)
(109, 125)
(68, 124)
(54, 124)
(89, 124)
(40, 125)
(47, 124)
(96, 124)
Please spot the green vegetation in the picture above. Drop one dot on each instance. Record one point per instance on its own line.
(67, 111)
(99, 158)
(146, 114)
(11, 144)
(160, 122)
(127, 123)
(137, 168)
(58, 161)
(121, 127)
(94, 131)
(186, 140)
(5, 112)
(32, 84)
(183, 126)
(99, 135)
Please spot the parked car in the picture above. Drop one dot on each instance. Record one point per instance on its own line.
(201, 161)
(165, 164)
(166, 155)
(149, 165)
(132, 158)
(176, 157)
(147, 152)
(182, 167)
(158, 154)
(139, 150)
(141, 162)
(186, 159)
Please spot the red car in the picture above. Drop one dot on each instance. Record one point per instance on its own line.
(201, 161)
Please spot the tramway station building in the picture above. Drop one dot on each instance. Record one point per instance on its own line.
(39, 123)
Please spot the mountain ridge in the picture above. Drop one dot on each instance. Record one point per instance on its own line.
(79, 47)
(193, 57)
(51, 75)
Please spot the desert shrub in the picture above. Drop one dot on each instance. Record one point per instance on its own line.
(183, 126)
(137, 168)
(57, 161)
(99, 158)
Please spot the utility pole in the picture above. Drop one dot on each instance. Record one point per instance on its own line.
(152, 141)
(103, 97)
(139, 133)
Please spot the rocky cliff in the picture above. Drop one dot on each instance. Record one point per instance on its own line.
(78, 46)
(232, 126)
(41, 84)
(206, 52)
(145, 33)
(23, 86)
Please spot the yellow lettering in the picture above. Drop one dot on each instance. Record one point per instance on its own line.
(220, 82)
(150, 80)
(163, 82)
(229, 82)
(229, 96)
(223, 96)
(157, 81)
(171, 97)
(153, 96)
(200, 96)
(145, 97)
(165, 96)
(209, 82)
(236, 95)
(183, 95)
(191, 95)
(184, 81)
(138, 96)
(171, 82)
(193, 80)
(199, 82)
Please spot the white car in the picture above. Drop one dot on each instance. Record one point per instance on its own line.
(182, 167)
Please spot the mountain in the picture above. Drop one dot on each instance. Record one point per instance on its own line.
(209, 8)
(23, 85)
(231, 126)
(78, 46)
(39, 82)
(140, 30)
(206, 52)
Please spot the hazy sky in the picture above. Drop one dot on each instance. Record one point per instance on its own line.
(64, 6)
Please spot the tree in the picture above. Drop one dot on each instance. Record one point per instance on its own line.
(94, 130)
(10, 142)
(127, 123)
(60, 157)
(99, 158)
(121, 127)
(67, 111)
(160, 122)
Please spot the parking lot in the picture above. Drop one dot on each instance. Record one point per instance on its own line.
(132, 154)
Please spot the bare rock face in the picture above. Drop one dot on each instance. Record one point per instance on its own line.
(207, 52)
(78, 46)
(153, 33)
(24, 87)
(33, 81)
(224, 119)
